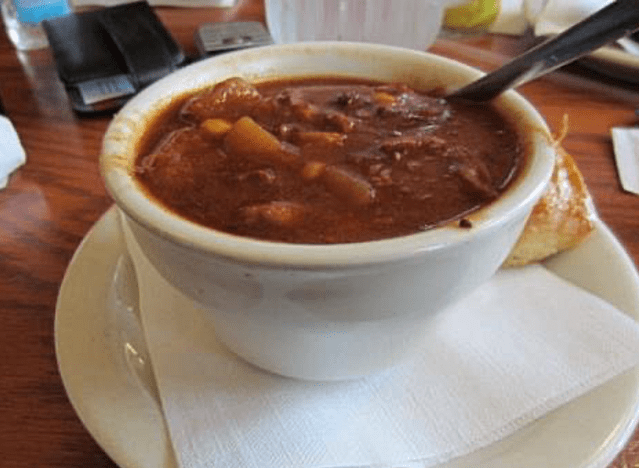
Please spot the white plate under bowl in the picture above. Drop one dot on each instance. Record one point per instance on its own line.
(101, 355)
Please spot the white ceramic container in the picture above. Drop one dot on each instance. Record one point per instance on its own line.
(323, 311)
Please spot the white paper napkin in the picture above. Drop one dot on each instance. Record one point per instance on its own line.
(12, 154)
(520, 346)
(626, 148)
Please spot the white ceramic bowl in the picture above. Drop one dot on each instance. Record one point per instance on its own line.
(322, 311)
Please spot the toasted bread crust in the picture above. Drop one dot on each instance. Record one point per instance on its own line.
(561, 219)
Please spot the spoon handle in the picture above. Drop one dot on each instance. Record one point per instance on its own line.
(612, 22)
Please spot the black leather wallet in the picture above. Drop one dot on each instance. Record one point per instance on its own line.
(105, 56)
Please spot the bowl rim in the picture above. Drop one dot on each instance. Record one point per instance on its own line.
(116, 166)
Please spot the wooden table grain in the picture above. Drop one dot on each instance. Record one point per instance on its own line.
(51, 203)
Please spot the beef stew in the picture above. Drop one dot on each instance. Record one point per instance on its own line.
(326, 160)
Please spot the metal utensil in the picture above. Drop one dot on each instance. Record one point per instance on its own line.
(612, 22)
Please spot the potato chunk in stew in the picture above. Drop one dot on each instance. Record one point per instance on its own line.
(235, 93)
(326, 160)
(248, 139)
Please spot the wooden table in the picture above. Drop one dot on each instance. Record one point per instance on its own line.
(52, 201)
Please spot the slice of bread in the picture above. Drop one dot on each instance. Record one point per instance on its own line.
(561, 219)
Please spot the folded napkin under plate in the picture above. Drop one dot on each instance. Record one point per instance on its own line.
(519, 347)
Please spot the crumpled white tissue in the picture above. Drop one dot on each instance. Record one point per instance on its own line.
(12, 154)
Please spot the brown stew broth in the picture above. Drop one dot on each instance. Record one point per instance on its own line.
(326, 160)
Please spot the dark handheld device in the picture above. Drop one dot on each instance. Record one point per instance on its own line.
(105, 56)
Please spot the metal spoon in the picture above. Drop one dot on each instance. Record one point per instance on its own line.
(612, 22)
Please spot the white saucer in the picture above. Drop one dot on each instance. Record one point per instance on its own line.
(102, 360)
